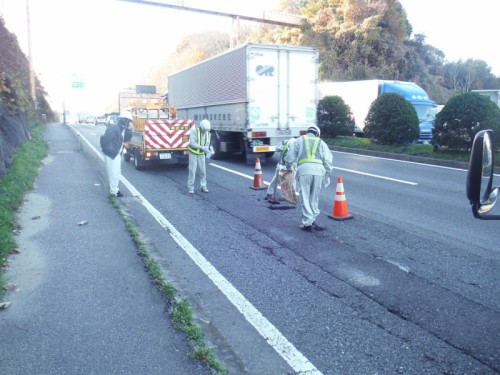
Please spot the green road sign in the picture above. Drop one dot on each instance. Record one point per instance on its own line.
(78, 85)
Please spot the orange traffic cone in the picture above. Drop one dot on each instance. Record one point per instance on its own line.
(258, 179)
(340, 211)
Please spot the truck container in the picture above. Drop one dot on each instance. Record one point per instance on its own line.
(254, 96)
(359, 95)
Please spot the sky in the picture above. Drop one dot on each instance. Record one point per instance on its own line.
(111, 45)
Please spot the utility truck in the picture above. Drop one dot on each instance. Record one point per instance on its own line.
(359, 95)
(254, 96)
(158, 135)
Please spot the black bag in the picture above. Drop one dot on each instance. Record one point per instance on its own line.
(104, 141)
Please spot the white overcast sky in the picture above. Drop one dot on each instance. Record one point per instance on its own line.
(111, 44)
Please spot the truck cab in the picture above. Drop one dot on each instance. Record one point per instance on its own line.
(425, 108)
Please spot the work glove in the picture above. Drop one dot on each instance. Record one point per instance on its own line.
(326, 181)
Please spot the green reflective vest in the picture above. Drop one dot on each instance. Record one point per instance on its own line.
(199, 151)
(310, 156)
(283, 153)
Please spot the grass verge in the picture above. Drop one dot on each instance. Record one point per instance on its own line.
(181, 313)
(424, 150)
(14, 186)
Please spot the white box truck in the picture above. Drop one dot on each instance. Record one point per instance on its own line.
(359, 95)
(254, 96)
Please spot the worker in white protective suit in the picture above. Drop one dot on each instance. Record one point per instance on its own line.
(314, 165)
(111, 144)
(199, 150)
(283, 148)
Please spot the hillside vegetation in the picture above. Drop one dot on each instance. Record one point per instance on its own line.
(356, 40)
(17, 108)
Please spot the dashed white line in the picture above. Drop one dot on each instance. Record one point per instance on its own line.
(341, 169)
(234, 172)
(377, 176)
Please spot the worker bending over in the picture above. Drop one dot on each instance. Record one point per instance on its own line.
(314, 164)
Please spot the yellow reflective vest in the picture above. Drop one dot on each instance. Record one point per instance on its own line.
(308, 155)
(199, 151)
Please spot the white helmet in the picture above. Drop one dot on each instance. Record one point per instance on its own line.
(314, 130)
(205, 125)
(126, 115)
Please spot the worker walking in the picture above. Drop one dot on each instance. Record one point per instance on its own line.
(199, 149)
(283, 147)
(111, 145)
(314, 164)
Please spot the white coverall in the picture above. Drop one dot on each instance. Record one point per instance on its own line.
(199, 143)
(114, 171)
(111, 144)
(281, 165)
(310, 175)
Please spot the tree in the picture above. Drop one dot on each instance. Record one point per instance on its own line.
(334, 117)
(463, 76)
(356, 39)
(359, 39)
(462, 118)
(14, 74)
(392, 120)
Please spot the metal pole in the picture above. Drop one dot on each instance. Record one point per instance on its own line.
(30, 59)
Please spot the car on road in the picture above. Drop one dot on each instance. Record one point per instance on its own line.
(111, 119)
(100, 120)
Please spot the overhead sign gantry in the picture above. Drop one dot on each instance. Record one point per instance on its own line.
(214, 8)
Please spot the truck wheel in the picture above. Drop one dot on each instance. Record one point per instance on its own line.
(138, 161)
(126, 156)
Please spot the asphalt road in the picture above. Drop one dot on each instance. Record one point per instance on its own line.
(410, 285)
(81, 300)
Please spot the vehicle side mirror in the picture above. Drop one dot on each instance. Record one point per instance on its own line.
(481, 194)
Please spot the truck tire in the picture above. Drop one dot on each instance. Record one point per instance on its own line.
(138, 160)
(126, 156)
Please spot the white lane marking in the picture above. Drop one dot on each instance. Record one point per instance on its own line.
(408, 162)
(377, 176)
(80, 135)
(342, 169)
(243, 175)
(400, 266)
(297, 361)
(235, 172)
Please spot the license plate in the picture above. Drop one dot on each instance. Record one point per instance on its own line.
(165, 156)
(257, 142)
(264, 149)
